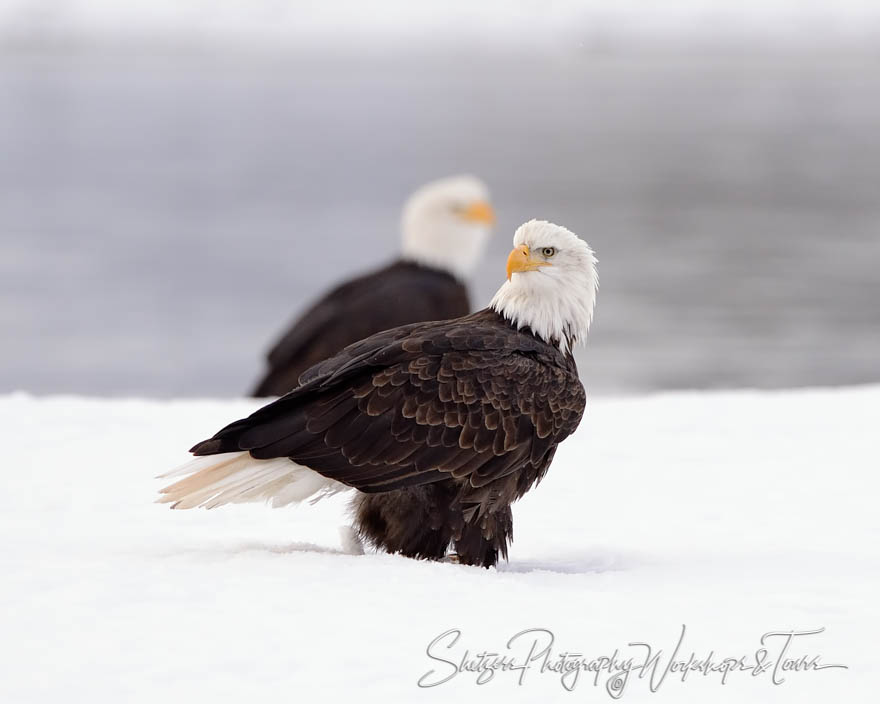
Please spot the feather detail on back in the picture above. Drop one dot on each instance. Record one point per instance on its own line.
(236, 477)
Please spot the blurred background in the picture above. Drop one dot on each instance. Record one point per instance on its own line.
(165, 165)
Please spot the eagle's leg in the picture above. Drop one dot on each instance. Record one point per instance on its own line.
(483, 539)
(413, 522)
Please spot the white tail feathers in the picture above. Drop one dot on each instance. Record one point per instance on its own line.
(236, 477)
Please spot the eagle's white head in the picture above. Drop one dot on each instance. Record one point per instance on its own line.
(551, 284)
(446, 224)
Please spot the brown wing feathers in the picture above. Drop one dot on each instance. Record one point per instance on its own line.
(398, 294)
(471, 399)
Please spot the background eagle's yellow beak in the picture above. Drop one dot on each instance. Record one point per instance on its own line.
(479, 211)
(520, 259)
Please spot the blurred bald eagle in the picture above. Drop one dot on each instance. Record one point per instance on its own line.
(439, 426)
(445, 227)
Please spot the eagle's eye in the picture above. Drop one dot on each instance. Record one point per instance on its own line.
(548, 251)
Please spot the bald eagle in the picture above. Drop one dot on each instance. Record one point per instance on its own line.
(445, 227)
(438, 426)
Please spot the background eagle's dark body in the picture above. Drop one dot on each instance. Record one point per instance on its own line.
(442, 425)
(401, 293)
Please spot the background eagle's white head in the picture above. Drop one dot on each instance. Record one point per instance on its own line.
(551, 284)
(446, 224)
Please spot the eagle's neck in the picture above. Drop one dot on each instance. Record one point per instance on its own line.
(560, 318)
(452, 249)
(421, 267)
(551, 350)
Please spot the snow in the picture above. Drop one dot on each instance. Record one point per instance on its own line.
(344, 23)
(734, 513)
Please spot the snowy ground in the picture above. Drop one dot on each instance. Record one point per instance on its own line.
(525, 23)
(735, 514)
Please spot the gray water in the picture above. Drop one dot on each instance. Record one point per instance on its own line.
(162, 217)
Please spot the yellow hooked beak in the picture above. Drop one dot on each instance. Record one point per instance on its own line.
(521, 259)
(478, 211)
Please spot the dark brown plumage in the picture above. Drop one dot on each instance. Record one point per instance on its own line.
(398, 294)
(440, 425)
